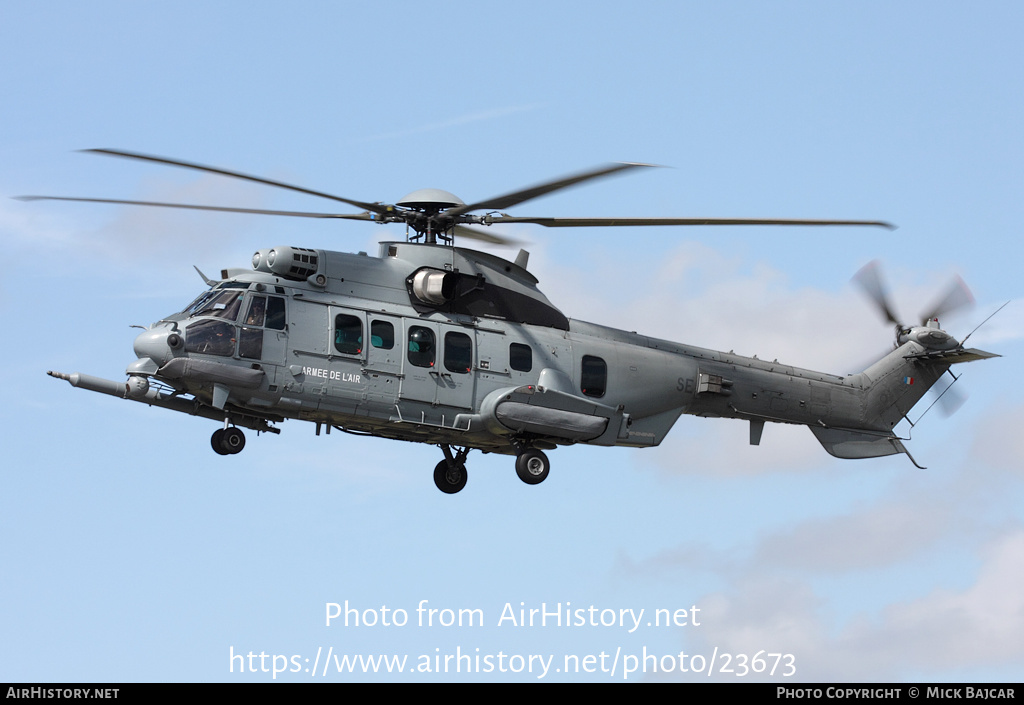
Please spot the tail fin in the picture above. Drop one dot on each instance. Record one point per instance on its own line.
(889, 390)
(895, 384)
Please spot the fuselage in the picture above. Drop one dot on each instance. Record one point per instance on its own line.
(348, 341)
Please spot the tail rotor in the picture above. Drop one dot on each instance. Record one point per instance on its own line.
(928, 334)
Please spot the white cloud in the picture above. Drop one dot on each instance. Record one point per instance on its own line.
(127, 235)
(944, 631)
(776, 600)
(29, 226)
(766, 615)
(879, 535)
(139, 233)
(949, 629)
(721, 448)
(707, 298)
(995, 325)
(998, 442)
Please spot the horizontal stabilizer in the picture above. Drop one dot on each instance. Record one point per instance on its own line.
(844, 443)
(951, 357)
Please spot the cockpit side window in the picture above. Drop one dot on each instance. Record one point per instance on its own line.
(275, 313)
(250, 343)
(262, 311)
(266, 310)
(211, 338)
(257, 311)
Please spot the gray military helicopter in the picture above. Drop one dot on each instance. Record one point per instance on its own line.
(438, 344)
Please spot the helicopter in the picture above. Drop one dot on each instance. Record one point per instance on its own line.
(434, 343)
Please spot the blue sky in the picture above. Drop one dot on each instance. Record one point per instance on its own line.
(132, 552)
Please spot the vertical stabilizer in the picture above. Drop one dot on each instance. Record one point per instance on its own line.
(894, 384)
(888, 390)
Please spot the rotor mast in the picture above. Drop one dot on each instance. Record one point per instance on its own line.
(425, 214)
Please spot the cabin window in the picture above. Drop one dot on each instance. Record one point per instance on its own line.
(382, 335)
(520, 357)
(458, 353)
(210, 338)
(594, 376)
(348, 334)
(421, 346)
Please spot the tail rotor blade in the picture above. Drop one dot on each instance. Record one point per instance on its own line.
(957, 296)
(870, 280)
(951, 400)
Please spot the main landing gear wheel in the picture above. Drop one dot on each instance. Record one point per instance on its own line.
(450, 477)
(228, 441)
(532, 466)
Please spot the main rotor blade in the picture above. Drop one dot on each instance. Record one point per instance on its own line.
(373, 207)
(482, 236)
(258, 211)
(516, 197)
(598, 222)
(871, 282)
(956, 297)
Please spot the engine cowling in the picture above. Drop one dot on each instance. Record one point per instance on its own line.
(434, 286)
(296, 263)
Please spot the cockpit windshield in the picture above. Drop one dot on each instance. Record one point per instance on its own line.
(220, 303)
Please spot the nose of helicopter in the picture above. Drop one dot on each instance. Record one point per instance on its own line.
(157, 344)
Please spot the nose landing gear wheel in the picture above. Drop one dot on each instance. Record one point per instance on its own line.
(532, 466)
(450, 478)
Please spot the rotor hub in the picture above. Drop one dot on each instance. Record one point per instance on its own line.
(431, 199)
